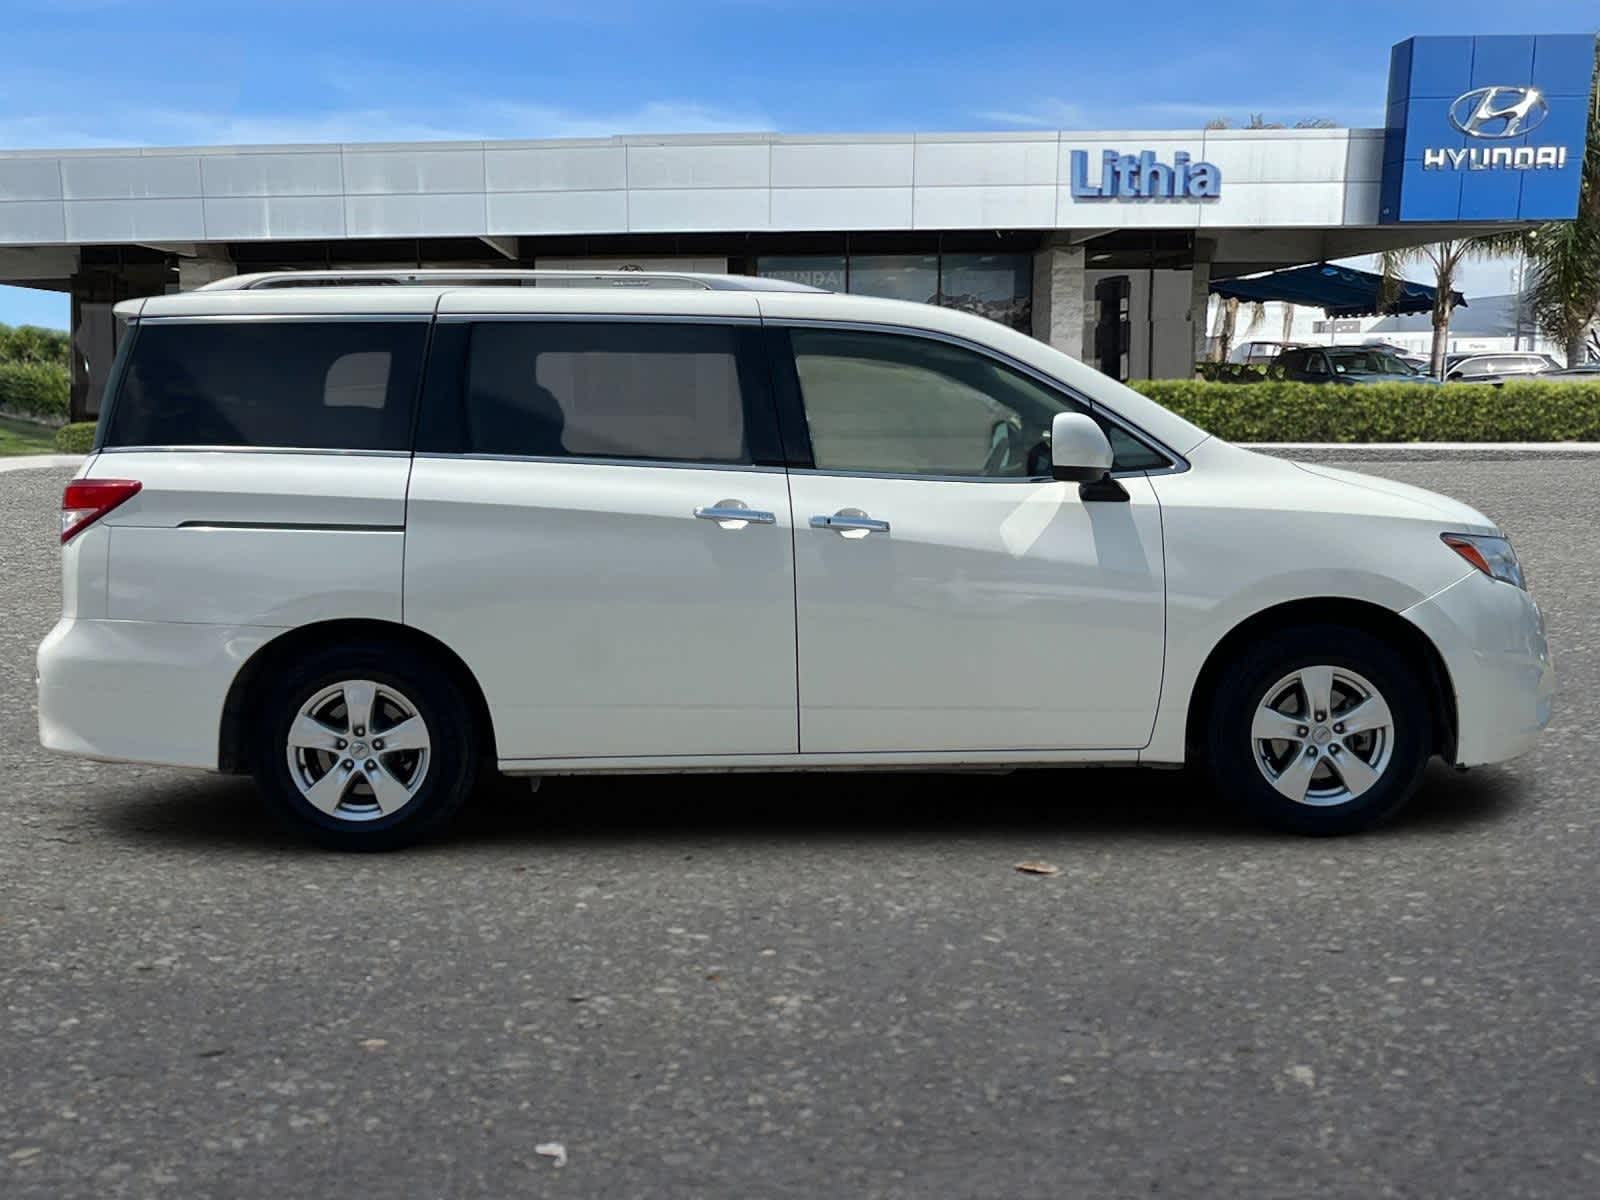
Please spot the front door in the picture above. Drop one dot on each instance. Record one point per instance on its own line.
(950, 596)
(598, 523)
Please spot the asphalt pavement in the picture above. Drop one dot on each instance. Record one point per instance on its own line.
(773, 986)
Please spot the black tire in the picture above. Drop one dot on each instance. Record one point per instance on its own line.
(1241, 690)
(452, 756)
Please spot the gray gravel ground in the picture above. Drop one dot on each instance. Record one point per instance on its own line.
(767, 986)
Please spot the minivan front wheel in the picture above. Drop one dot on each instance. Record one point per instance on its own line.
(1320, 730)
(363, 748)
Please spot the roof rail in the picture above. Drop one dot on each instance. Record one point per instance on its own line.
(502, 277)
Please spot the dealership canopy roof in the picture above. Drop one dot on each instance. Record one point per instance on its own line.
(1338, 291)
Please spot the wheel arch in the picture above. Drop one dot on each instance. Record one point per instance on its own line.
(1371, 618)
(246, 689)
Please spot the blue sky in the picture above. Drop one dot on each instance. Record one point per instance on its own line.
(119, 72)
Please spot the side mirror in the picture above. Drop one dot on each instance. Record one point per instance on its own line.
(1079, 451)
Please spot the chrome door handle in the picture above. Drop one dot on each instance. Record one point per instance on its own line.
(732, 514)
(850, 523)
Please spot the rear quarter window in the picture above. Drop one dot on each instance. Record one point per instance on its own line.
(290, 384)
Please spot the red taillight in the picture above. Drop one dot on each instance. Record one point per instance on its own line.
(87, 500)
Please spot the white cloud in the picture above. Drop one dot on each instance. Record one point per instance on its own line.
(468, 120)
(1054, 113)
(1046, 113)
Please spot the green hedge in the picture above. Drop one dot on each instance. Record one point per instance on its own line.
(1283, 411)
(34, 390)
(77, 438)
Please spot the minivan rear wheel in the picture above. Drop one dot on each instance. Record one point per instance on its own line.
(364, 747)
(1320, 729)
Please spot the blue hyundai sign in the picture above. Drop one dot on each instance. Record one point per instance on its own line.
(1486, 128)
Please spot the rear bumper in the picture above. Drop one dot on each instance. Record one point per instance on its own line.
(140, 691)
(1492, 639)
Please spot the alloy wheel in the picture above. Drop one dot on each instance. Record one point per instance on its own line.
(358, 750)
(1322, 736)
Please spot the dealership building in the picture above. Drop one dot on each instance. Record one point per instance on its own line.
(1105, 244)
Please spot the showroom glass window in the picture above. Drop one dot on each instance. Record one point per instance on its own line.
(997, 286)
(825, 271)
(887, 403)
(896, 276)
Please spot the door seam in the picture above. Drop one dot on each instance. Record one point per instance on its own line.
(794, 592)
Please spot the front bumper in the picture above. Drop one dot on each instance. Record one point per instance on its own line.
(1491, 637)
(140, 691)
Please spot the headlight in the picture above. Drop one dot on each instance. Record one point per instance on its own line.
(1491, 555)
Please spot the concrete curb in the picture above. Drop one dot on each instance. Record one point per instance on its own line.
(22, 462)
(1423, 451)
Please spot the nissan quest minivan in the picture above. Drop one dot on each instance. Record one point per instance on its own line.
(370, 535)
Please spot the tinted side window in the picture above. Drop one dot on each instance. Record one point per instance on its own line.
(908, 405)
(324, 385)
(637, 390)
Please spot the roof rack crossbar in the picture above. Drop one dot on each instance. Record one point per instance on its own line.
(502, 277)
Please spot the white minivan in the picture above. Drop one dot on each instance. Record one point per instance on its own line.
(368, 536)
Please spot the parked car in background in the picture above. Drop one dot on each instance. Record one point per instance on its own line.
(1417, 362)
(1491, 367)
(1344, 364)
(1585, 373)
(1258, 354)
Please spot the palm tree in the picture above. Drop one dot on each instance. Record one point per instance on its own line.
(1564, 256)
(1259, 121)
(1227, 322)
(1445, 258)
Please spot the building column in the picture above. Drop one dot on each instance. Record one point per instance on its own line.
(1058, 299)
(95, 330)
(197, 272)
(1200, 296)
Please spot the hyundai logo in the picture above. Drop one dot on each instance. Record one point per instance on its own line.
(1499, 112)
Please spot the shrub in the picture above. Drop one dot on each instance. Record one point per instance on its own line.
(77, 438)
(31, 344)
(1229, 372)
(34, 390)
(1276, 410)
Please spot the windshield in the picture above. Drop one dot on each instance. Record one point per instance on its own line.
(1368, 362)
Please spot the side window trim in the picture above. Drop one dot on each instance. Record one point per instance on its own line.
(788, 404)
(791, 408)
(445, 375)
